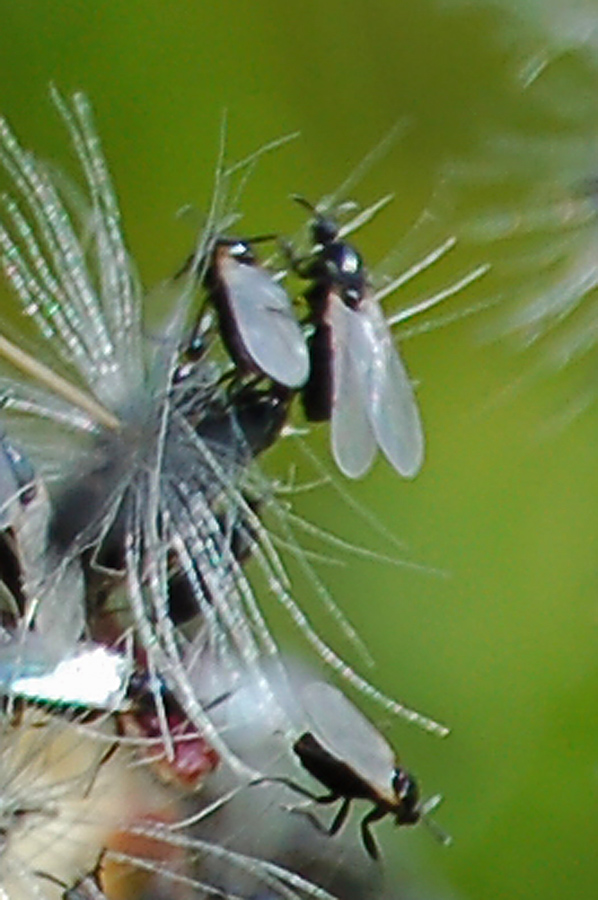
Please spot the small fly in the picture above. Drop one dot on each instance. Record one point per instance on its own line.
(348, 756)
(357, 378)
(255, 315)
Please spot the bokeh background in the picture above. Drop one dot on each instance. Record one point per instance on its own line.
(495, 629)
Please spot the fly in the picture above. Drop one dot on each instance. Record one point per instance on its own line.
(255, 315)
(250, 419)
(357, 379)
(353, 761)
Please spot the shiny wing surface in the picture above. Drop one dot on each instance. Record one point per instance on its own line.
(346, 733)
(392, 406)
(352, 437)
(266, 322)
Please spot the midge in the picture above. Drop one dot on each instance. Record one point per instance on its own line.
(256, 320)
(348, 756)
(357, 379)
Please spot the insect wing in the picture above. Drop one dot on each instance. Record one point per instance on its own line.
(266, 323)
(391, 401)
(352, 437)
(346, 733)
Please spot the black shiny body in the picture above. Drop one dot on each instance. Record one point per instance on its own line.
(337, 776)
(317, 394)
(250, 419)
(336, 268)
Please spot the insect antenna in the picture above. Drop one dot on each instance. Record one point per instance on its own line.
(442, 836)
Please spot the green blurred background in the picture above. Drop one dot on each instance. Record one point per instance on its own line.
(503, 646)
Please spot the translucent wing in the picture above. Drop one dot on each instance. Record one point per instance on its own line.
(346, 733)
(391, 403)
(352, 437)
(266, 323)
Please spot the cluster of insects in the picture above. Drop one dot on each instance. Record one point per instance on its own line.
(341, 359)
(131, 565)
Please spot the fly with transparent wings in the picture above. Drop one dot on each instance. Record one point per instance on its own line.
(256, 316)
(358, 380)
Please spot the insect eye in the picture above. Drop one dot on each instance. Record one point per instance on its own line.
(407, 791)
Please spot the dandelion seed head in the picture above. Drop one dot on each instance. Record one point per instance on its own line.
(159, 540)
(163, 488)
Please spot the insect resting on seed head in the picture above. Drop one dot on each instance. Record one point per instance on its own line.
(357, 379)
(256, 320)
(348, 756)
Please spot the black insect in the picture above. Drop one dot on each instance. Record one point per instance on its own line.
(357, 379)
(255, 315)
(249, 418)
(353, 761)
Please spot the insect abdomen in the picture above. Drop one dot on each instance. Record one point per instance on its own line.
(331, 772)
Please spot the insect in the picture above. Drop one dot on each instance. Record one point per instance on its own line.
(357, 379)
(255, 316)
(348, 756)
(250, 417)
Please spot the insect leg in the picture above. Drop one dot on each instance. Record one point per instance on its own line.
(323, 799)
(311, 818)
(340, 817)
(105, 758)
(337, 822)
(366, 835)
(288, 782)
